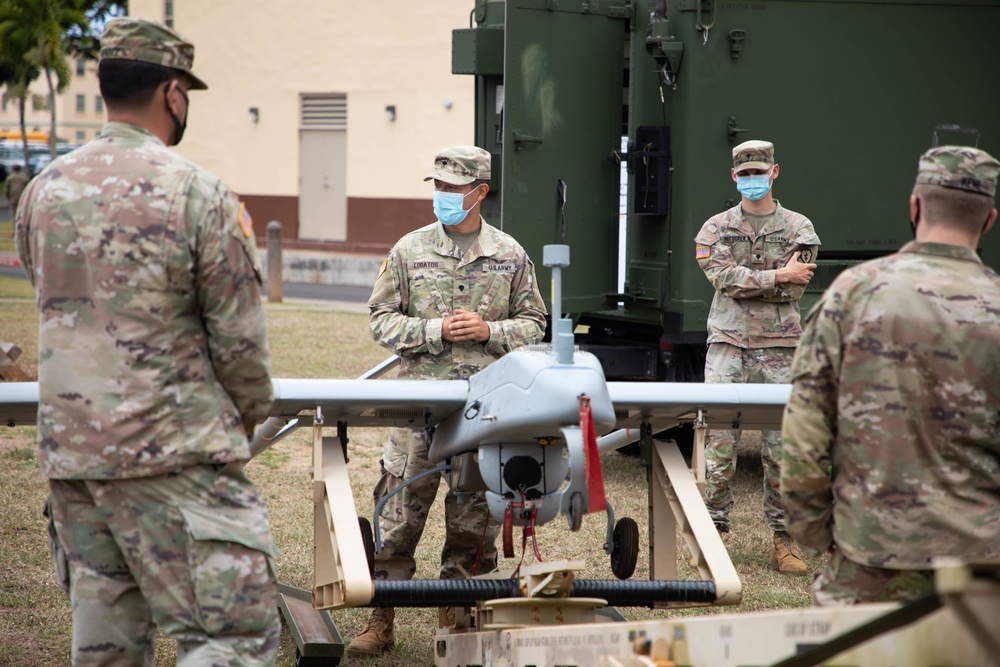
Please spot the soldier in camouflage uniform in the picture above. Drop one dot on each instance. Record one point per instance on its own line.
(14, 187)
(758, 256)
(153, 369)
(451, 298)
(895, 385)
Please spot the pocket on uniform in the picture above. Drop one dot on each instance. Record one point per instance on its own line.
(495, 302)
(242, 525)
(231, 568)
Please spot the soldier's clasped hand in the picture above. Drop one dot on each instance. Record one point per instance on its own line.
(795, 271)
(465, 326)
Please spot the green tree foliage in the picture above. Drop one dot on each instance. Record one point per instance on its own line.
(37, 36)
(38, 28)
(87, 43)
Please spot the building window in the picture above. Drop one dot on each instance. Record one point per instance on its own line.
(168, 13)
(81, 103)
(79, 66)
(80, 136)
(98, 104)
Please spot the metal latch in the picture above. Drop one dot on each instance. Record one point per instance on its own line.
(736, 38)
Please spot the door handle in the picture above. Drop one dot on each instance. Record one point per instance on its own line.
(521, 138)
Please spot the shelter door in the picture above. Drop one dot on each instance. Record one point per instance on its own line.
(323, 168)
(562, 119)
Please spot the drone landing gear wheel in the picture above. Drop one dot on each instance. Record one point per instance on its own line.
(575, 514)
(625, 548)
(369, 542)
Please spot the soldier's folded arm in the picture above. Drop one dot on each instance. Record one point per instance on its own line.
(733, 280)
(788, 291)
(715, 257)
(228, 284)
(808, 432)
(391, 327)
(526, 323)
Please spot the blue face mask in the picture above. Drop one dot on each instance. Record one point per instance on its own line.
(448, 207)
(754, 186)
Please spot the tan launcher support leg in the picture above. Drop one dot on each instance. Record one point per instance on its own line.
(676, 500)
(340, 563)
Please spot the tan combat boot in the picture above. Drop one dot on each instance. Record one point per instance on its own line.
(786, 558)
(377, 635)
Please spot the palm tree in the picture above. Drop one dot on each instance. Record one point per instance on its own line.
(18, 72)
(34, 31)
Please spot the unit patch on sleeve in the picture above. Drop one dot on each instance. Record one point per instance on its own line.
(246, 222)
(703, 252)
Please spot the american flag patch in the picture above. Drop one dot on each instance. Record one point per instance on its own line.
(246, 222)
(703, 252)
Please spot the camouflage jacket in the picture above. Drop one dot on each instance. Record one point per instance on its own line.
(424, 280)
(750, 309)
(14, 186)
(896, 384)
(153, 352)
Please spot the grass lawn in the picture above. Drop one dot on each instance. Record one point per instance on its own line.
(7, 236)
(310, 342)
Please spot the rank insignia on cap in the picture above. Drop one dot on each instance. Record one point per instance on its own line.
(246, 222)
(703, 252)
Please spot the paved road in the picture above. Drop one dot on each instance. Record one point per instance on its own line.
(307, 291)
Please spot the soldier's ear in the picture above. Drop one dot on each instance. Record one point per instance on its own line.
(914, 209)
(990, 219)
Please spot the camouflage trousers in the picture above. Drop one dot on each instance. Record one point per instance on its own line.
(190, 552)
(468, 530)
(844, 582)
(729, 364)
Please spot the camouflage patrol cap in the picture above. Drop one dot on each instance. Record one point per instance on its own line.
(753, 155)
(960, 167)
(460, 165)
(149, 42)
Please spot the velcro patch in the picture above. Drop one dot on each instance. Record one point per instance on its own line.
(501, 268)
(703, 252)
(385, 265)
(246, 222)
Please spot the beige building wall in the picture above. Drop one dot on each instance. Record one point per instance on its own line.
(267, 54)
(72, 125)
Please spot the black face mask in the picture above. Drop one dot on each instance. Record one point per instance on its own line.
(179, 127)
